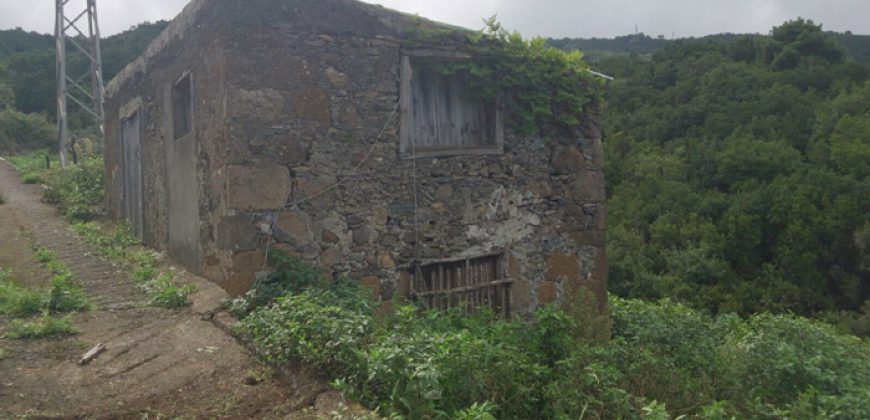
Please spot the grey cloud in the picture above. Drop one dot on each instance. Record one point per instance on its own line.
(556, 18)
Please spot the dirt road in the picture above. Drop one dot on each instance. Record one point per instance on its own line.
(159, 362)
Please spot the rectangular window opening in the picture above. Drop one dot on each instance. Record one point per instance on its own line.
(467, 282)
(182, 107)
(441, 116)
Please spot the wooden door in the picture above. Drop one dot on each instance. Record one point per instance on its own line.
(131, 168)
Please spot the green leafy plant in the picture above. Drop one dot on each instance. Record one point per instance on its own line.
(164, 292)
(664, 360)
(77, 190)
(44, 255)
(542, 89)
(42, 327)
(17, 301)
(162, 289)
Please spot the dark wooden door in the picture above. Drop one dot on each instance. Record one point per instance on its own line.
(131, 167)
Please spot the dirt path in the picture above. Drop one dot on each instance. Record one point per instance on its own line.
(159, 362)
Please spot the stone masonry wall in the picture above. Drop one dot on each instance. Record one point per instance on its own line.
(291, 97)
(303, 110)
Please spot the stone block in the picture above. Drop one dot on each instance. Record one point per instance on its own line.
(243, 271)
(587, 186)
(255, 105)
(385, 260)
(567, 160)
(295, 227)
(596, 238)
(238, 233)
(361, 235)
(329, 258)
(562, 267)
(546, 293)
(312, 103)
(328, 237)
(403, 286)
(521, 294)
(336, 78)
(261, 187)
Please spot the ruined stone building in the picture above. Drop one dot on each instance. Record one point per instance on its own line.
(315, 123)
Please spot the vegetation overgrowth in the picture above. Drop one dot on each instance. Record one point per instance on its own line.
(738, 177)
(22, 304)
(663, 359)
(41, 327)
(78, 190)
(542, 90)
(62, 295)
(162, 288)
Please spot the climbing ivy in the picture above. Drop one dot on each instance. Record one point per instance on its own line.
(542, 90)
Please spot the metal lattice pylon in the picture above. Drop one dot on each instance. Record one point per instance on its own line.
(68, 32)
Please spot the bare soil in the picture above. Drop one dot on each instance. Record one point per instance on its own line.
(159, 363)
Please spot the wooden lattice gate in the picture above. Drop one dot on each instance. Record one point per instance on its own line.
(463, 282)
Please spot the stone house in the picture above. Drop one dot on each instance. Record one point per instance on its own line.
(317, 128)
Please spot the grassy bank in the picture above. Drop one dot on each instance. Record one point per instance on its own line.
(663, 360)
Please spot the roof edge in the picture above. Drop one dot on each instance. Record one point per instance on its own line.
(175, 29)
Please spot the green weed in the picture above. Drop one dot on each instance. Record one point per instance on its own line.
(77, 190)
(18, 301)
(42, 327)
(62, 296)
(664, 360)
(164, 292)
(30, 166)
(32, 179)
(121, 245)
(45, 256)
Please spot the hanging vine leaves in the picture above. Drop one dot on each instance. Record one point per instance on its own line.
(542, 90)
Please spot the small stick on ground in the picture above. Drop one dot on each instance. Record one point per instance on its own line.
(92, 354)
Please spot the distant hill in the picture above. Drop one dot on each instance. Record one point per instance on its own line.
(27, 62)
(857, 47)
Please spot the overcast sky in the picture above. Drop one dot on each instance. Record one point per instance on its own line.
(555, 18)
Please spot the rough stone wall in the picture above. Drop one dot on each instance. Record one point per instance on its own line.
(147, 83)
(304, 109)
(291, 98)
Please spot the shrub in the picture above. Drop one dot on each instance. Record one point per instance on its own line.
(44, 326)
(20, 132)
(164, 292)
(63, 296)
(664, 359)
(778, 359)
(320, 328)
(77, 190)
(32, 179)
(289, 275)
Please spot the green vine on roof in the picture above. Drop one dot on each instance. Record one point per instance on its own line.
(541, 89)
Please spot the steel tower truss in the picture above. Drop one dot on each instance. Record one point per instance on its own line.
(88, 94)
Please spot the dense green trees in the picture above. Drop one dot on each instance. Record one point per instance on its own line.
(738, 174)
(28, 86)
